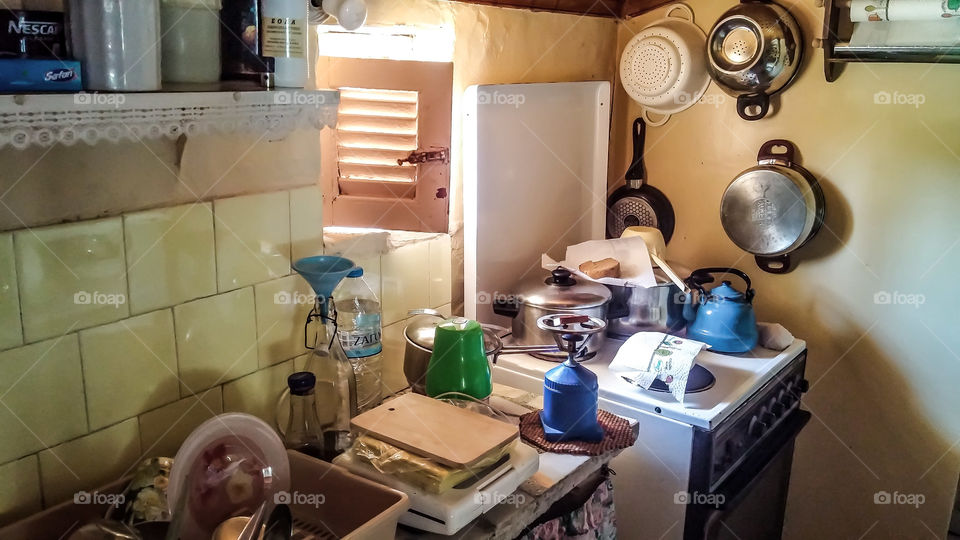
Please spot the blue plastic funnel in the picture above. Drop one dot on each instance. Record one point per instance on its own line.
(323, 273)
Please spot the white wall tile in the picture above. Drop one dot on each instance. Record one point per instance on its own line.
(306, 222)
(282, 308)
(405, 277)
(43, 403)
(216, 339)
(11, 333)
(71, 276)
(257, 393)
(20, 495)
(392, 378)
(440, 273)
(129, 367)
(163, 430)
(170, 256)
(253, 239)
(90, 461)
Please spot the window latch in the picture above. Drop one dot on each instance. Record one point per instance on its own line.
(443, 154)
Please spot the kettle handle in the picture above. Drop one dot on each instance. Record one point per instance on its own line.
(698, 278)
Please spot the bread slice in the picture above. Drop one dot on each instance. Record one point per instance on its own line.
(601, 269)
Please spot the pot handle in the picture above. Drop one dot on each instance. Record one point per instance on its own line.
(645, 114)
(775, 265)
(685, 9)
(702, 276)
(506, 308)
(746, 101)
(767, 151)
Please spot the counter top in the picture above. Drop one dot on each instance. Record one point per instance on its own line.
(558, 474)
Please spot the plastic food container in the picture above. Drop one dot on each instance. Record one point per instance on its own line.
(191, 40)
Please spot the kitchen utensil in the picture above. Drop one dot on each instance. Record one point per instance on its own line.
(254, 526)
(721, 317)
(458, 362)
(559, 293)
(232, 449)
(639, 203)
(647, 309)
(664, 66)
(754, 51)
(450, 435)
(421, 331)
(279, 526)
(117, 43)
(571, 391)
(774, 208)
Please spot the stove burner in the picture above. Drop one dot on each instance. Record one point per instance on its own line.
(699, 380)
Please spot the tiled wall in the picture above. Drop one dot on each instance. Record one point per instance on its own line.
(119, 336)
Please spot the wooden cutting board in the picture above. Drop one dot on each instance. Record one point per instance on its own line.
(431, 428)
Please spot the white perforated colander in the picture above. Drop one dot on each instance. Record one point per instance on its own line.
(664, 66)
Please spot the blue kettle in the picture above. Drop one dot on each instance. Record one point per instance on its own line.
(721, 317)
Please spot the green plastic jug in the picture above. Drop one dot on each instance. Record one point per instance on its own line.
(458, 362)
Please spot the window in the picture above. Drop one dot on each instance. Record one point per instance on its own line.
(389, 109)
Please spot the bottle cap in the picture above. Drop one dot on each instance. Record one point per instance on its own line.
(301, 383)
(356, 272)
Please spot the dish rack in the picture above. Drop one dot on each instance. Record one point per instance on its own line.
(352, 507)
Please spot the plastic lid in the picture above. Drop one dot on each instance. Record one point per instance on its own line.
(301, 383)
(356, 272)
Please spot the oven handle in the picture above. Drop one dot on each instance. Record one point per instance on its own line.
(740, 483)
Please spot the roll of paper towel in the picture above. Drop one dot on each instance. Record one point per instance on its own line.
(903, 10)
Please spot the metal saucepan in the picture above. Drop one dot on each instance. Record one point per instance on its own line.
(647, 309)
(559, 293)
(774, 208)
(419, 334)
(754, 51)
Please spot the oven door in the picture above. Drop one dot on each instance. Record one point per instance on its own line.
(750, 503)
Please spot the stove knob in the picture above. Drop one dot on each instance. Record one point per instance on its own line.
(776, 407)
(756, 428)
(803, 385)
(767, 419)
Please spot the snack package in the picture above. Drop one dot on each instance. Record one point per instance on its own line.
(648, 356)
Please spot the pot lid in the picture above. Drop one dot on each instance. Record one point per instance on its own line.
(563, 291)
(725, 291)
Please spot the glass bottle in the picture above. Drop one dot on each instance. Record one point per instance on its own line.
(336, 389)
(304, 432)
(359, 330)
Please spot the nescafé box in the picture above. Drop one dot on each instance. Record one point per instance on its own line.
(29, 75)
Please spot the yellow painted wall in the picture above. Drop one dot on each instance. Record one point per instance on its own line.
(498, 45)
(884, 378)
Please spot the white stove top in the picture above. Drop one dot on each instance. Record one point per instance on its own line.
(738, 377)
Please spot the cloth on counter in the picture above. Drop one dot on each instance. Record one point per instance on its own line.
(648, 356)
(595, 520)
(774, 336)
(617, 435)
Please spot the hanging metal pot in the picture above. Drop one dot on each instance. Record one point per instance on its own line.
(774, 208)
(754, 51)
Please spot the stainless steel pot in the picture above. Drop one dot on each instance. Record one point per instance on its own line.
(647, 309)
(559, 293)
(774, 208)
(754, 51)
(419, 334)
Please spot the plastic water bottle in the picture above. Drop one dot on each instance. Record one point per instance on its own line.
(358, 329)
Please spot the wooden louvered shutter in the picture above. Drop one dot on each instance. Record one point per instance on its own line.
(388, 110)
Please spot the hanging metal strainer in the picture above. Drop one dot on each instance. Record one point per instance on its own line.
(664, 66)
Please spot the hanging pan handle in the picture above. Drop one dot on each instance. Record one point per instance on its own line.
(767, 151)
(748, 101)
(636, 170)
(774, 265)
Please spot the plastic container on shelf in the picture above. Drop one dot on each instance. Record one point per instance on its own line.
(283, 37)
(191, 40)
(359, 330)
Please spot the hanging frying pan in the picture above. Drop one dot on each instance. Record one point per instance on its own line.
(638, 203)
(773, 208)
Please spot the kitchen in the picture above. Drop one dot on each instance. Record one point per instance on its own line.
(881, 394)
